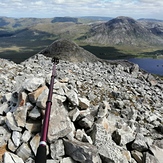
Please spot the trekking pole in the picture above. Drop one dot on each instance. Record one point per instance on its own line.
(41, 151)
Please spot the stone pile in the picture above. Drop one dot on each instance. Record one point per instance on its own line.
(102, 112)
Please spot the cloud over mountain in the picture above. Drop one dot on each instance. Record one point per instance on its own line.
(52, 8)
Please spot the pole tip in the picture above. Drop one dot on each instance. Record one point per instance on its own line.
(55, 60)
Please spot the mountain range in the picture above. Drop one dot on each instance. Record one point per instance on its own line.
(29, 35)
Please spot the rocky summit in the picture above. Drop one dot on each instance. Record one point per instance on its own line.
(69, 51)
(102, 112)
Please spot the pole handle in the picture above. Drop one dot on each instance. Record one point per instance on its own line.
(41, 154)
(55, 60)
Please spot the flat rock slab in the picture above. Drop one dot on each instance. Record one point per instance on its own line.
(60, 123)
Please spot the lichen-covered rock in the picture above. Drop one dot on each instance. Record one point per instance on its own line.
(32, 84)
(123, 136)
(34, 143)
(84, 103)
(81, 152)
(67, 160)
(157, 152)
(12, 158)
(138, 156)
(33, 96)
(148, 158)
(59, 119)
(16, 138)
(24, 151)
(4, 135)
(73, 97)
(26, 136)
(4, 108)
(57, 149)
(108, 151)
(11, 123)
(42, 98)
(20, 116)
(11, 146)
(140, 144)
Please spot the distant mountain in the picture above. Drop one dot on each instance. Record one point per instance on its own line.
(97, 18)
(150, 20)
(154, 25)
(28, 22)
(21, 22)
(65, 19)
(4, 21)
(9, 22)
(122, 31)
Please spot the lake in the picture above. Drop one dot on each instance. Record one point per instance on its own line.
(154, 66)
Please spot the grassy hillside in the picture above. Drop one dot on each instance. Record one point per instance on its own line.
(18, 44)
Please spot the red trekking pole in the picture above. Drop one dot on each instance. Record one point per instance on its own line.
(41, 151)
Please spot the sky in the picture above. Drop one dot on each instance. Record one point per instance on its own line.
(76, 8)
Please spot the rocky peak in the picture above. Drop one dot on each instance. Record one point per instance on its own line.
(67, 50)
(122, 19)
(127, 26)
(122, 30)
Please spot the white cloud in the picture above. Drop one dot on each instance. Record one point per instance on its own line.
(16, 0)
(111, 8)
(38, 3)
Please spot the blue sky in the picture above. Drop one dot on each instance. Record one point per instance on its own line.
(109, 8)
